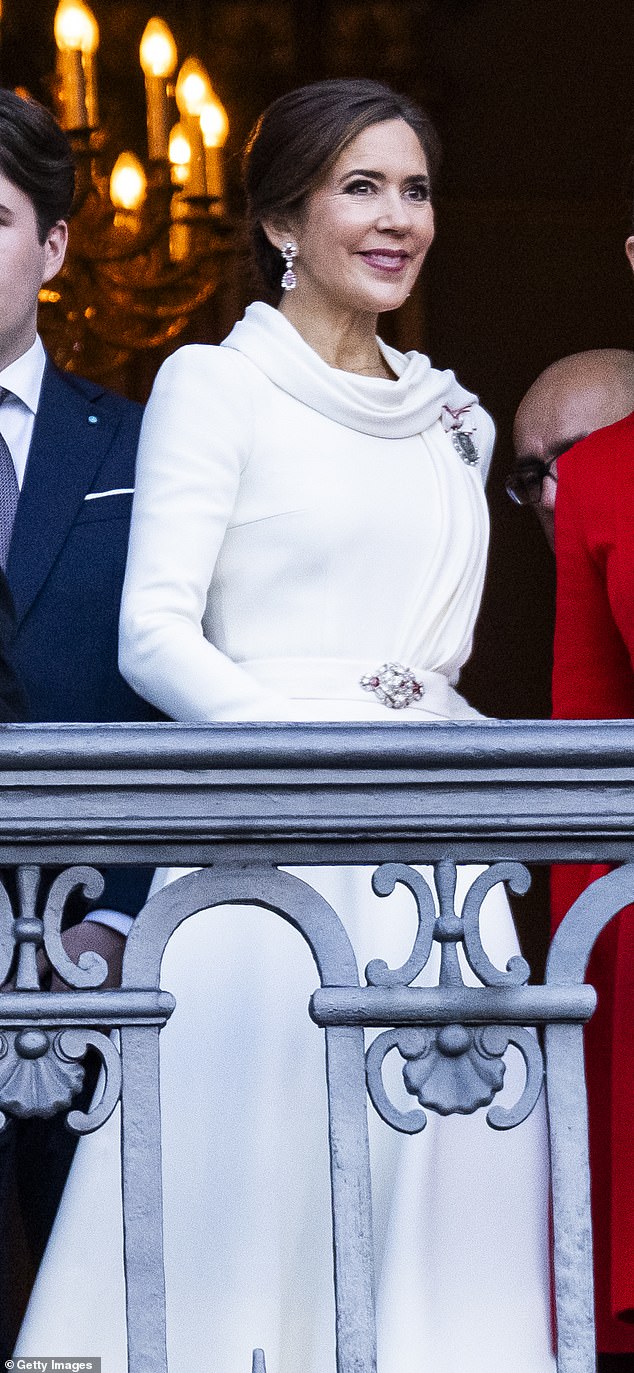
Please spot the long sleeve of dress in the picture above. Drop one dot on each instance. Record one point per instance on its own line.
(195, 443)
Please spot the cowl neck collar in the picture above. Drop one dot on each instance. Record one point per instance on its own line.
(371, 405)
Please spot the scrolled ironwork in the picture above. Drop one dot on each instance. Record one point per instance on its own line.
(495, 1040)
(73, 1045)
(41, 1071)
(447, 928)
(92, 969)
(518, 970)
(407, 1122)
(22, 935)
(452, 1068)
(384, 880)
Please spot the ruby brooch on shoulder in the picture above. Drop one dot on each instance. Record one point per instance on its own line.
(459, 424)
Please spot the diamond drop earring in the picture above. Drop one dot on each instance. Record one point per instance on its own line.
(289, 253)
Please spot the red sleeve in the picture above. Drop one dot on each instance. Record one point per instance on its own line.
(592, 675)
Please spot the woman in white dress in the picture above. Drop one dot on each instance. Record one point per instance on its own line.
(309, 506)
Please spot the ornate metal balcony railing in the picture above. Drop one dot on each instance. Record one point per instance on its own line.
(241, 800)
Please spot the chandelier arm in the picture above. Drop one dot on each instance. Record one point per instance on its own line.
(136, 343)
(142, 303)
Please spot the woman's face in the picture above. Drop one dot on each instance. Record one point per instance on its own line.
(365, 232)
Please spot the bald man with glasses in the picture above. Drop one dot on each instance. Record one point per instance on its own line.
(571, 399)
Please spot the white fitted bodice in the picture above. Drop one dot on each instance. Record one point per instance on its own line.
(265, 528)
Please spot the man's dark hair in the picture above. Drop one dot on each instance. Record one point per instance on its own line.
(35, 156)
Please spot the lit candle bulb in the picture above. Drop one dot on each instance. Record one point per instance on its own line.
(193, 92)
(215, 128)
(77, 38)
(158, 60)
(180, 154)
(128, 183)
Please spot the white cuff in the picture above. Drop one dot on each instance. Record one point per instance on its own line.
(116, 920)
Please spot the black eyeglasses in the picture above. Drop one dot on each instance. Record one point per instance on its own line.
(526, 483)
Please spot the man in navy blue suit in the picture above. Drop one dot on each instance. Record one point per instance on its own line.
(73, 446)
(64, 515)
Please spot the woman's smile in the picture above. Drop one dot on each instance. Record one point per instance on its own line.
(392, 260)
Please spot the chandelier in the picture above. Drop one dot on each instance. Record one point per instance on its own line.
(148, 245)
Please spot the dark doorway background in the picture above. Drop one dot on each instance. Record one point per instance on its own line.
(534, 100)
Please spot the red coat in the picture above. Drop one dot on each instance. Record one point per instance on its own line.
(594, 679)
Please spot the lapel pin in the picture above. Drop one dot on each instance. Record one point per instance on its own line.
(93, 419)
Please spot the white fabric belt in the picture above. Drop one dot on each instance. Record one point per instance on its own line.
(338, 679)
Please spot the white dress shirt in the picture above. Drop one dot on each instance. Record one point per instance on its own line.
(23, 379)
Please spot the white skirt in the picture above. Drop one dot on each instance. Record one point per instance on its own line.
(460, 1210)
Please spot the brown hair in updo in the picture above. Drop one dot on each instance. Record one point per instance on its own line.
(299, 138)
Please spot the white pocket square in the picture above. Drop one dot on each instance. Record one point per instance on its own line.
(116, 491)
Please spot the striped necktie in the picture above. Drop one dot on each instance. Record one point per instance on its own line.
(9, 492)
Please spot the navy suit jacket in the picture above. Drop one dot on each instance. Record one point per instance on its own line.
(66, 566)
(12, 701)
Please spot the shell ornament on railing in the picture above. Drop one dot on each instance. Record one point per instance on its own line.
(452, 1068)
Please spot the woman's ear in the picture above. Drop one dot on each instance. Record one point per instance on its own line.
(277, 235)
(629, 250)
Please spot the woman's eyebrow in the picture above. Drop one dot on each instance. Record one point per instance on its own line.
(362, 171)
(380, 176)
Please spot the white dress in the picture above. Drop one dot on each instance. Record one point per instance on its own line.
(294, 528)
